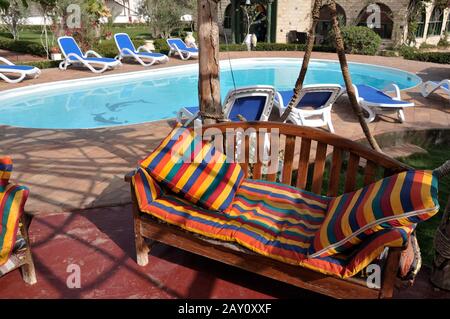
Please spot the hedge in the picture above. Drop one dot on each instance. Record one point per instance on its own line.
(27, 47)
(435, 57)
(358, 40)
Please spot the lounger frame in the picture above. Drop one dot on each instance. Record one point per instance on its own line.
(26, 264)
(184, 55)
(127, 53)
(374, 109)
(81, 60)
(316, 146)
(430, 87)
(247, 91)
(22, 74)
(313, 117)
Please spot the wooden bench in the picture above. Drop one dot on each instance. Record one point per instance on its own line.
(310, 155)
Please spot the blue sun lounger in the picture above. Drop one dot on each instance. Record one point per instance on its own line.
(375, 101)
(430, 86)
(177, 46)
(253, 103)
(314, 105)
(12, 73)
(141, 55)
(74, 56)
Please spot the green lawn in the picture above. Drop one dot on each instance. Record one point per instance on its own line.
(437, 154)
(34, 33)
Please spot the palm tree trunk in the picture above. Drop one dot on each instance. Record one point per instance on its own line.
(348, 80)
(306, 58)
(209, 81)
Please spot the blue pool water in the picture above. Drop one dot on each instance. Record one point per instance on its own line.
(158, 94)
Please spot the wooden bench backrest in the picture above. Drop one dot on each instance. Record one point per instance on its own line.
(310, 157)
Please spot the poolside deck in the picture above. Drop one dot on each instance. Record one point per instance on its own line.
(69, 171)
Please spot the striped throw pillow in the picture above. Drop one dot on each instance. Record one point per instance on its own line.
(12, 201)
(399, 200)
(195, 169)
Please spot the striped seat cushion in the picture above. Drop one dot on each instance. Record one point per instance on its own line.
(274, 220)
(12, 201)
(195, 169)
(399, 200)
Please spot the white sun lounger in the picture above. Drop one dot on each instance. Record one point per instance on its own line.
(12, 73)
(74, 56)
(177, 46)
(141, 55)
(430, 86)
(375, 101)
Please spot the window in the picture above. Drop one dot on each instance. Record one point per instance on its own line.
(227, 17)
(421, 25)
(435, 25)
(384, 30)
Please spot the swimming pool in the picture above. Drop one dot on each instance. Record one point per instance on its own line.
(156, 94)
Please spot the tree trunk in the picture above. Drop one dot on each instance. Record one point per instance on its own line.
(209, 81)
(306, 58)
(347, 79)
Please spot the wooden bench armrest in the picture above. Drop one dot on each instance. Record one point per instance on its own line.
(129, 175)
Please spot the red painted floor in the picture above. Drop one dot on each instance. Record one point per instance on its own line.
(100, 242)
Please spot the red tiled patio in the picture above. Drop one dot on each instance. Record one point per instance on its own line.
(82, 215)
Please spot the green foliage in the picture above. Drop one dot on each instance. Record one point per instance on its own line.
(435, 57)
(262, 46)
(161, 46)
(44, 64)
(358, 40)
(108, 48)
(443, 42)
(437, 154)
(427, 46)
(14, 16)
(27, 47)
(163, 16)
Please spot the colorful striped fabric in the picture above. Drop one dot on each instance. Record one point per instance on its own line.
(5, 170)
(400, 200)
(270, 219)
(348, 264)
(12, 201)
(195, 169)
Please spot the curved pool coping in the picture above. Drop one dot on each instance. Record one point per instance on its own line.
(38, 88)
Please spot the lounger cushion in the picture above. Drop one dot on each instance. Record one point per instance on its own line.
(194, 168)
(12, 201)
(399, 200)
(16, 67)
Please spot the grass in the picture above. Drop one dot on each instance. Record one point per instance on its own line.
(437, 154)
(34, 34)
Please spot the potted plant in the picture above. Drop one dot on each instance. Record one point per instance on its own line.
(55, 54)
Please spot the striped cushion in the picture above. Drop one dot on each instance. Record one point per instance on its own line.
(12, 201)
(400, 200)
(187, 165)
(274, 220)
(5, 170)
(348, 264)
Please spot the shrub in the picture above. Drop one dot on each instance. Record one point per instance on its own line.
(27, 47)
(161, 46)
(358, 40)
(108, 48)
(44, 64)
(443, 42)
(435, 57)
(262, 46)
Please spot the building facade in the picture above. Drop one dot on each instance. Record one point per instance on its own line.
(389, 18)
